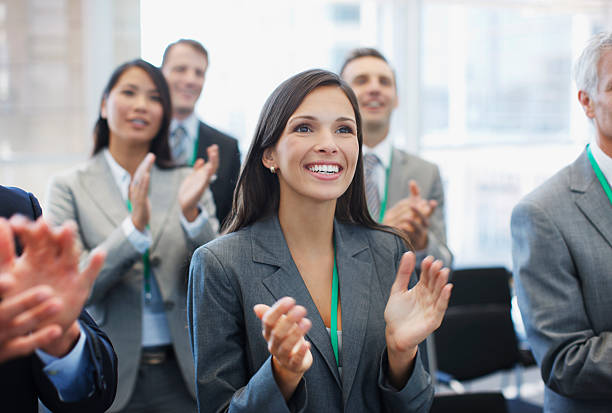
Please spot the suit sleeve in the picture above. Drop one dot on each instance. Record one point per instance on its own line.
(120, 252)
(575, 360)
(104, 367)
(218, 341)
(436, 245)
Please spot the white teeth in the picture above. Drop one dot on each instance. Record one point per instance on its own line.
(138, 121)
(374, 104)
(326, 169)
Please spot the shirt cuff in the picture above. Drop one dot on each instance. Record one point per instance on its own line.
(69, 374)
(141, 241)
(194, 228)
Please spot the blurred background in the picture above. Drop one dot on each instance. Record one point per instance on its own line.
(485, 85)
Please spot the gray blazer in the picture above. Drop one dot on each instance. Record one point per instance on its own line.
(230, 275)
(562, 253)
(89, 195)
(405, 167)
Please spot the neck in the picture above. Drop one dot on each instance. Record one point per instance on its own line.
(181, 114)
(307, 226)
(605, 144)
(374, 134)
(129, 156)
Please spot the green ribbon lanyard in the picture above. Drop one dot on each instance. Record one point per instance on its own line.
(146, 264)
(194, 155)
(334, 310)
(383, 204)
(599, 174)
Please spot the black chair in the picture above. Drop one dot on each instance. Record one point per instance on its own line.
(477, 336)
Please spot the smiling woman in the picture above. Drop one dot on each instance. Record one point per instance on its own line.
(149, 217)
(302, 242)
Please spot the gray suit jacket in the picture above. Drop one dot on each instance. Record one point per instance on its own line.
(405, 167)
(89, 195)
(562, 253)
(233, 366)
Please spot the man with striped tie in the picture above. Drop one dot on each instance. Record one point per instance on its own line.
(184, 65)
(402, 190)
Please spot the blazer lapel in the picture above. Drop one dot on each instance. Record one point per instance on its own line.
(100, 186)
(163, 192)
(270, 247)
(354, 272)
(590, 197)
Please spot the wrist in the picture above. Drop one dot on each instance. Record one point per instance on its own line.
(191, 213)
(61, 346)
(140, 226)
(286, 380)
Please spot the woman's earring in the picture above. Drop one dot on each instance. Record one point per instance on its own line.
(272, 169)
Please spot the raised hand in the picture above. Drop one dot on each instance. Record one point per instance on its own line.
(412, 315)
(283, 327)
(139, 193)
(194, 185)
(51, 258)
(411, 215)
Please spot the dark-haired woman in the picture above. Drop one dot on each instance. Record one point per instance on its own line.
(304, 305)
(149, 217)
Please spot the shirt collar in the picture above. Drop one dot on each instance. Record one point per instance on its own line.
(190, 123)
(120, 176)
(603, 161)
(382, 151)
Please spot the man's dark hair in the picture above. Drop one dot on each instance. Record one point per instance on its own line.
(197, 46)
(362, 52)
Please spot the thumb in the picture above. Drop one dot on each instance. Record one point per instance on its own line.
(414, 189)
(404, 272)
(260, 310)
(198, 163)
(7, 244)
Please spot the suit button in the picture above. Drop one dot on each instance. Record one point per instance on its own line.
(168, 305)
(155, 261)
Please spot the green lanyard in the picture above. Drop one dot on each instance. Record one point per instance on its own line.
(146, 264)
(334, 310)
(383, 204)
(194, 155)
(599, 174)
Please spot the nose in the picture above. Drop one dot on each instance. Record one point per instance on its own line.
(326, 143)
(140, 103)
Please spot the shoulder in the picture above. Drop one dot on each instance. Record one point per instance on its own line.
(413, 160)
(216, 136)
(553, 192)
(69, 176)
(15, 200)
(228, 248)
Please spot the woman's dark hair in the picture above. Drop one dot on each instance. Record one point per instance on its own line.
(159, 144)
(257, 192)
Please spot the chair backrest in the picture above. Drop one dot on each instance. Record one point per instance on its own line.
(477, 336)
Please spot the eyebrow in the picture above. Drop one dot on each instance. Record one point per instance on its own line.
(308, 117)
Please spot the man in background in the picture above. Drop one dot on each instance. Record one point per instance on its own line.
(402, 190)
(562, 256)
(184, 65)
(49, 347)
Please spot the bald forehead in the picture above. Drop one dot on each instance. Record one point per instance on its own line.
(367, 66)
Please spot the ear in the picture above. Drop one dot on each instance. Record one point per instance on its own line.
(103, 113)
(587, 104)
(268, 158)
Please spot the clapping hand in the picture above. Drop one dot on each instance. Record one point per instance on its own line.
(284, 326)
(411, 215)
(194, 185)
(139, 193)
(50, 260)
(413, 314)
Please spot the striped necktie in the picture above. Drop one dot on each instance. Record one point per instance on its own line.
(178, 146)
(371, 184)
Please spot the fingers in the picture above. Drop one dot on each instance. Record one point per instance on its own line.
(23, 313)
(96, 261)
(139, 186)
(7, 282)
(213, 157)
(24, 345)
(415, 191)
(7, 245)
(271, 317)
(286, 332)
(404, 272)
